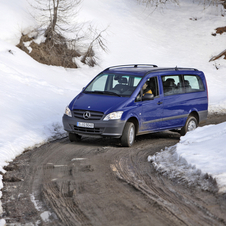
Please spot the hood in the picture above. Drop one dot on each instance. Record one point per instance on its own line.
(96, 102)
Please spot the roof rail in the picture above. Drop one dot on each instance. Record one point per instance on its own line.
(183, 68)
(133, 65)
(174, 69)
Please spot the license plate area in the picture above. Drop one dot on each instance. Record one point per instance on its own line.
(85, 124)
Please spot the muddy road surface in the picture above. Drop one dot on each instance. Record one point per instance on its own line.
(98, 182)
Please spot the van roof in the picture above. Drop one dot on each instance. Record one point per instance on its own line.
(142, 69)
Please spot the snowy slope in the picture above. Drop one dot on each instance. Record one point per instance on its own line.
(34, 96)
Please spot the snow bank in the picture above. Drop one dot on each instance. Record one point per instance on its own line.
(198, 159)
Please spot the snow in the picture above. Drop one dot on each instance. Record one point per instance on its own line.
(199, 155)
(34, 96)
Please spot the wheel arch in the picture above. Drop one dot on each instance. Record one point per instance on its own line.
(135, 121)
(195, 114)
(185, 129)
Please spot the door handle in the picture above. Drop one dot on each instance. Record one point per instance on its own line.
(160, 102)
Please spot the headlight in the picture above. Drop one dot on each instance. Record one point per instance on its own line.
(68, 112)
(113, 115)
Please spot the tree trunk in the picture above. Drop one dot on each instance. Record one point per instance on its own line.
(55, 11)
(223, 53)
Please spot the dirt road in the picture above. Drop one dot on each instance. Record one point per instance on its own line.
(98, 182)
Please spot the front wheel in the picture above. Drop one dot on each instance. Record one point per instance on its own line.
(191, 124)
(128, 135)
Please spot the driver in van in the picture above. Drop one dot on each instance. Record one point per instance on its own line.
(146, 88)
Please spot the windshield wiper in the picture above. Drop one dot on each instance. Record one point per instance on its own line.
(112, 93)
(104, 92)
(96, 91)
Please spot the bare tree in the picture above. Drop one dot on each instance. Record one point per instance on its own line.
(157, 3)
(163, 2)
(213, 2)
(98, 41)
(55, 16)
(56, 19)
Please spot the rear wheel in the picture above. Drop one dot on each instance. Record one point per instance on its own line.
(128, 135)
(74, 137)
(191, 124)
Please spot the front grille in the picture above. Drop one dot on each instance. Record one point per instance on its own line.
(88, 130)
(94, 115)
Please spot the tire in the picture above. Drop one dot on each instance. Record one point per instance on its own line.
(128, 135)
(74, 137)
(191, 124)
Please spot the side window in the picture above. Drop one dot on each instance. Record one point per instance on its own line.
(172, 84)
(193, 83)
(177, 84)
(153, 84)
(151, 87)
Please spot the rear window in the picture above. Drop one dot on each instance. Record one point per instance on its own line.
(193, 83)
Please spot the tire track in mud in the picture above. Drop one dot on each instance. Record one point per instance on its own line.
(98, 182)
(64, 205)
(127, 171)
(59, 189)
(174, 203)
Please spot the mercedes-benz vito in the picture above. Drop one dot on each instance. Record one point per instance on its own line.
(130, 100)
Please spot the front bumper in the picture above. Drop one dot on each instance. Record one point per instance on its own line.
(111, 128)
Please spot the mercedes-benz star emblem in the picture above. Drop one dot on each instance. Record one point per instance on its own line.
(86, 115)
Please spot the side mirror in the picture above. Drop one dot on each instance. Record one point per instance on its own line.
(148, 96)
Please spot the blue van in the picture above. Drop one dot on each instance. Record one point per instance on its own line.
(130, 100)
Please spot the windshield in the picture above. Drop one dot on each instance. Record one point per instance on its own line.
(114, 84)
